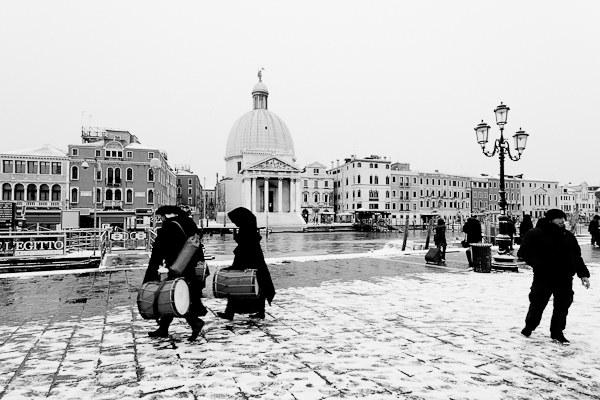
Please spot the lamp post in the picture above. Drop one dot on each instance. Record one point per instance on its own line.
(154, 164)
(225, 199)
(502, 147)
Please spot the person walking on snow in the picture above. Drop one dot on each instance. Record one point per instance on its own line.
(594, 230)
(555, 256)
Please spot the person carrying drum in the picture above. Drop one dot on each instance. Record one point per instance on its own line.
(249, 255)
(170, 238)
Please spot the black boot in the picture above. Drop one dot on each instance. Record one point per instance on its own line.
(260, 315)
(559, 337)
(163, 330)
(196, 328)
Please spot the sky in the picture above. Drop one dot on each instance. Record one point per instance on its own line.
(400, 79)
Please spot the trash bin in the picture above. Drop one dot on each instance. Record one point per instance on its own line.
(482, 257)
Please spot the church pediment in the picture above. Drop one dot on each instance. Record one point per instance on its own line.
(539, 189)
(272, 164)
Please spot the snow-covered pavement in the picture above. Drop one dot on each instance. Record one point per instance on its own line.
(419, 335)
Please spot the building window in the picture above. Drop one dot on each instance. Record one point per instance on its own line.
(326, 184)
(74, 173)
(129, 196)
(32, 167)
(98, 153)
(7, 166)
(129, 174)
(150, 197)
(305, 183)
(316, 171)
(189, 202)
(44, 167)
(316, 184)
(56, 168)
(305, 197)
(316, 197)
(129, 154)
(150, 155)
(189, 190)
(74, 195)
(75, 152)
(150, 176)
(239, 166)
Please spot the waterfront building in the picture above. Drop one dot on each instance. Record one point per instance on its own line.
(37, 179)
(261, 171)
(567, 200)
(539, 196)
(189, 192)
(317, 194)
(480, 190)
(362, 184)
(512, 189)
(585, 200)
(113, 182)
(443, 195)
(404, 194)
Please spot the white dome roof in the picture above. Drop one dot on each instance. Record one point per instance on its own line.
(262, 130)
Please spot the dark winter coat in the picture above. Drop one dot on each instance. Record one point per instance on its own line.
(525, 226)
(473, 230)
(439, 238)
(169, 240)
(248, 254)
(593, 227)
(552, 252)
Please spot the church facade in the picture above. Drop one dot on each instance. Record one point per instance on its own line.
(261, 171)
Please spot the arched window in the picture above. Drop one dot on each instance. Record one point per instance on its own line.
(75, 173)
(129, 196)
(150, 196)
(150, 175)
(19, 192)
(129, 174)
(305, 197)
(110, 178)
(6, 192)
(359, 179)
(98, 195)
(353, 194)
(358, 194)
(118, 195)
(387, 194)
(376, 180)
(316, 197)
(387, 180)
(31, 192)
(109, 194)
(74, 195)
(44, 193)
(371, 180)
(55, 193)
(117, 176)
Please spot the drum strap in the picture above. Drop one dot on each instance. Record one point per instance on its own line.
(155, 302)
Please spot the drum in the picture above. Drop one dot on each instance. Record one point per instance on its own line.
(237, 284)
(482, 257)
(172, 299)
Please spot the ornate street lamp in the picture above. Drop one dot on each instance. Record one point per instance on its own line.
(503, 148)
(154, 164)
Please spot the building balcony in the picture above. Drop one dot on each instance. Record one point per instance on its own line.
(112, 204)
(42, 204)
(113, 183)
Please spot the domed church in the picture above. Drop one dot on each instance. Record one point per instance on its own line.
(261, 173)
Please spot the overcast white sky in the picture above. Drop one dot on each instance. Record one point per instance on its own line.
(404, 79)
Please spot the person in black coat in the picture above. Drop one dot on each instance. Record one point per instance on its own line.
(594, 230)
(170, 238)
(439, 238)
(472, 228)
(249, 255)
(525, 226)
(555, 256)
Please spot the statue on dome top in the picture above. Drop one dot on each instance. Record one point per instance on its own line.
(260, 74)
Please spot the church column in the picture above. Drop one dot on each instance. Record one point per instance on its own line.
(247, 193)
(253, 197)
(292, 194)
(280, 195)
(299, 195)
(266, 194)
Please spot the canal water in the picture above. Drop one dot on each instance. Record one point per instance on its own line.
(344, 242)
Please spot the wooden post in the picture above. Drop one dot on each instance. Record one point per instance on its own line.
(406, 225)
(428, 233)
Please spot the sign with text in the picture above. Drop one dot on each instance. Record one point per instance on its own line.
(7, 214)
(32, 245)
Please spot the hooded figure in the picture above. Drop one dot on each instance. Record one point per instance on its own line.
(249, 255)
(169, 241)
(555, 256)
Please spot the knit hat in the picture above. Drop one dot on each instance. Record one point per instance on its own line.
(555, 213)
(164, 210)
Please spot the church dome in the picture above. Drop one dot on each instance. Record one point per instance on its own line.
(259, 129)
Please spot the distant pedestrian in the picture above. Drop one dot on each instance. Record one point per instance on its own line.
(511, 231)
(525, 226)
(170, 238)
(594, 230)
(249, 255)
(439, 238)
(555, 256)
(472, 228)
